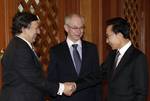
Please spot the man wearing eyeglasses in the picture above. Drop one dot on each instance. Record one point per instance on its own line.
(73, 59)
(126, 67)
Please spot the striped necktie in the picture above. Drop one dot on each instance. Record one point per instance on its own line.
(77, 59)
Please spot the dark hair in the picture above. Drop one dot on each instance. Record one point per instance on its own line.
(22, 20)
(119, 25)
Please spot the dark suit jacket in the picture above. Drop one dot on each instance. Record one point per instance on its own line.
(130, 80)
(61, 69)
(22, 73)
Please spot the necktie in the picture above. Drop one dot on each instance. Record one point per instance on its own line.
(116, 59)
(34, 52)
(77, 59)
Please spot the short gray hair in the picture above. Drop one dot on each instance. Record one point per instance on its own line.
(68, 18)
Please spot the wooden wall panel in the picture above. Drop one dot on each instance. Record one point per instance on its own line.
(2, 37)
(147, 32)
(86, 11)
(71, 6)
(61, 14)
(10, 10)
(110, 8)
(92, 11)
(97, 27)
(147, 28)
(2, 27)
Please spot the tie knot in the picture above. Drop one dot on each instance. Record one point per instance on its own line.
(117, 53)
(75, 46)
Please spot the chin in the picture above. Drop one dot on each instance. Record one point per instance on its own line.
(33, 41)
(76, 38)
(113, 48)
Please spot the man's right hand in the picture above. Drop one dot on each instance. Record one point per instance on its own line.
(70, 87)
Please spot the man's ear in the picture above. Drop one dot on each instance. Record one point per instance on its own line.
(23, 29)
(66, 28)
(120, 34)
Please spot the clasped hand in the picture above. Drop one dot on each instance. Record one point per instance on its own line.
(70, 87)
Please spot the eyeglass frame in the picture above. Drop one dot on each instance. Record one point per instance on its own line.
(75, 28)
(110, 36)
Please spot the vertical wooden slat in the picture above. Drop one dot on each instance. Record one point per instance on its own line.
(86, 11)
(72, 6)
(2, 20)
(147, 37)
(61, 14)
(97, 27)
(10, 10)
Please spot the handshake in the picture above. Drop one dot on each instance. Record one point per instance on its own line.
(69, 88)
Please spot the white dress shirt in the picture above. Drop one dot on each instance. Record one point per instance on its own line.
(122, 51)
(79, 48)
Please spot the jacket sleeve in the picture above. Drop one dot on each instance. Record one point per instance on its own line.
(140, 78)
(30, 70)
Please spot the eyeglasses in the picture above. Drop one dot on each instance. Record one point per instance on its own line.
(75, 28)
(109, 36)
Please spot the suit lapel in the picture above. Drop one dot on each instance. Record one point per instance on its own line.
(69, 60)
(66, 53)
(127, 57)
(37, 63)
(84, 54)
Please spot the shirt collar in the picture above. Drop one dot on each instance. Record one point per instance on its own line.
(70, 43)
(124, 48)
(25, 41)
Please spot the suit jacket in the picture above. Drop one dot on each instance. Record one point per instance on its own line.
(130, 80)
(22, 73)
(61, 69)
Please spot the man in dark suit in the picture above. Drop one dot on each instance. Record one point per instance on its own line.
(70, 64)
(22, 71)
(126, 66)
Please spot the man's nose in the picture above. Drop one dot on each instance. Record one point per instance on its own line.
(107, 41)
(38, 31)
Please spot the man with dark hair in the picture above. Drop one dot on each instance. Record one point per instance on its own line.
(126, 66)
(22, 71)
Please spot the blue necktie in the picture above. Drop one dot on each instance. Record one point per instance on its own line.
(77, 59)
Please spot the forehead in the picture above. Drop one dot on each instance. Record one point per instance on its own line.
(109, 28)
(35, 23)
(76, 20)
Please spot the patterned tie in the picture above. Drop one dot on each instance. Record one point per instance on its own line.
(77, 58)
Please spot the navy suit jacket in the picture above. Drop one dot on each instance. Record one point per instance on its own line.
(130, 80)
(22, 74)
(61, 69)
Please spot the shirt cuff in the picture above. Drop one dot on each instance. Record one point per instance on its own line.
(61, 89)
